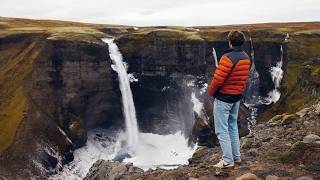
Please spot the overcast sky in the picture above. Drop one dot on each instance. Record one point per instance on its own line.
(165, 12)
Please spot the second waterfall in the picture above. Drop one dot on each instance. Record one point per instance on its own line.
(127, 98)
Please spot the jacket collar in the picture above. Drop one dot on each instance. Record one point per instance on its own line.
(234, 48)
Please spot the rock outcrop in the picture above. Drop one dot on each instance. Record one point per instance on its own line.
(101, 170)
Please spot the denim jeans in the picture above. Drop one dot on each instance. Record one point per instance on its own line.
(226, 129)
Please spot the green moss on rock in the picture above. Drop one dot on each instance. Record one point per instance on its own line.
(15, 67)
(277, 118)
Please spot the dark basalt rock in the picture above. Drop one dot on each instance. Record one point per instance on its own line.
(157, 61)
(267, 54)
(309, 76)
(102, 170)
(74, 82)
(71, 89)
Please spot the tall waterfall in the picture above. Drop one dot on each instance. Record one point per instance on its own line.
(127, 99)
(215, 56)
(252, 96)
(276, 75)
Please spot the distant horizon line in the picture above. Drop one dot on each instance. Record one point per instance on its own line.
(217, 25)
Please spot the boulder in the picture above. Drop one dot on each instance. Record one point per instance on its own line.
(311, 138)
(248, 176)
(110, 170)
(201, 155)
(272, 177)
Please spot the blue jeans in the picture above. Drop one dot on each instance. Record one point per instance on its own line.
(226, 129)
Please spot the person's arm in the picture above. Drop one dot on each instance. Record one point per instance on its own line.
(220, 74)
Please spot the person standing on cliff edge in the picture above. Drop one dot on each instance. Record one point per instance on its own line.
(228, 84)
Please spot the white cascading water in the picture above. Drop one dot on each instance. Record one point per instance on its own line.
(127, 99)
(252, 97)
(215, 56)
(197, 104)
(147, 150)
(276, 75)
(286, 39)
(142, 152)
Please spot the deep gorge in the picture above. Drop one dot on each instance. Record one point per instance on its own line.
(69, 88)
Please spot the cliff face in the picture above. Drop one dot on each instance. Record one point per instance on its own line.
(299, 84)
(54, 87)
(309, 76)
(56, 83)
(158, 57)
(74, 81)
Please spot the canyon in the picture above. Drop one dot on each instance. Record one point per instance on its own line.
(57, 84)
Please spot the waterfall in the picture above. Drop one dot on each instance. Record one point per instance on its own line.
(215, 56)
(127, 99)
(252, 50)
(276, 75)
(251, 95)
(286, 39)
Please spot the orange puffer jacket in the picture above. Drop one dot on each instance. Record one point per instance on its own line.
(231, 76)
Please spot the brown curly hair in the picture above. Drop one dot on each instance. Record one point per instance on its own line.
(236, 38)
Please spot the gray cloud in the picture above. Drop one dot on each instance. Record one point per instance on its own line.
(165, 12)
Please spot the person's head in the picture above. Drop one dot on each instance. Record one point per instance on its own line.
(236, 38)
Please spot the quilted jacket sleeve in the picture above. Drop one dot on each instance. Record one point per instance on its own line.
(220, 74)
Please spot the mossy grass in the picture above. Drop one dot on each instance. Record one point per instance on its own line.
(199, 152)
(10, 118)
(166, 33)
(13, 100)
